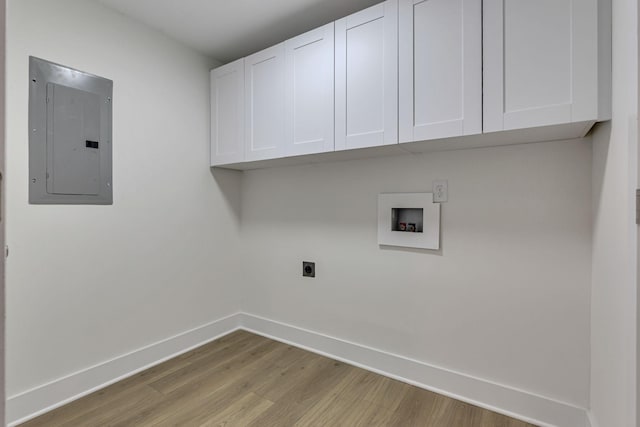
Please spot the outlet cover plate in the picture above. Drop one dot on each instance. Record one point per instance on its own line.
(440, 191)
(308, 269)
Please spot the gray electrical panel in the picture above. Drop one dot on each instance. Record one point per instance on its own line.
(69, 136)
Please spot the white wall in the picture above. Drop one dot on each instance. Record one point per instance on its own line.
(505, 300)
(3, 6)
(614, 304)
(88, 283)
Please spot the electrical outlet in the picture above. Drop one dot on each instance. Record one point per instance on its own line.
(440, 191)
(308, 269)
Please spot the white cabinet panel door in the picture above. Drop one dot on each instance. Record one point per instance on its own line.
(227, 113)
(367, 77)
(440, 68)
(310, 92)
(540, 62)
(264, 104)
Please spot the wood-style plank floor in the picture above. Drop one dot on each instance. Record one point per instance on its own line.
(244, 379)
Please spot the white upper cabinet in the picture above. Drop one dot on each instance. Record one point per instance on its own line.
(309, 92)
(366, 72)
(430, 74)
(440, 68)
(264, 104)
(227, 113)
(544, 63)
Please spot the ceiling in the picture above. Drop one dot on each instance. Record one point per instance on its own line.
(230, 29)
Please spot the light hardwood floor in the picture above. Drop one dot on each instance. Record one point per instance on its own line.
(247, 380)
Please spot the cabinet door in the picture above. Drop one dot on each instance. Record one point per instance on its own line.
(227, 113)
(310, 92)
(264, 104)
(440, 68)
(367, 77)
(540, 62)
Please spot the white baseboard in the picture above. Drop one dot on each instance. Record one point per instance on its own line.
(516, 403)
(31, 403)
(506, 400)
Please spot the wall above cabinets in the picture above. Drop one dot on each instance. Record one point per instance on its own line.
(414, 76)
